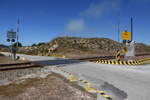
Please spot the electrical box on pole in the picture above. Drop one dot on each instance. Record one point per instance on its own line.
(131, 49)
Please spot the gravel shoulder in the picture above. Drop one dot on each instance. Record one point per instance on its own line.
(52, 87)
(8, 60)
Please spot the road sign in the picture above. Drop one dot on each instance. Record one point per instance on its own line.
(11, 35)
(126, 35)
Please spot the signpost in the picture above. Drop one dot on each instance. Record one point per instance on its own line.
(129, 44)
(11, 36)
(126, 35)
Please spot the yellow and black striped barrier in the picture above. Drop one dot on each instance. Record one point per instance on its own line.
(136, 62)
(145, 60)
(89, 87)
(118, 55)
(104, 95)
(120, 62)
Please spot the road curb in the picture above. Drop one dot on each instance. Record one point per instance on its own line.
(87, 85)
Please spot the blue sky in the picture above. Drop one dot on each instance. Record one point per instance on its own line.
(43, 20)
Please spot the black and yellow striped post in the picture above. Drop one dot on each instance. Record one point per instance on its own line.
(118, 55)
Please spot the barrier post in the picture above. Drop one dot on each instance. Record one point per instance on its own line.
(118, 55)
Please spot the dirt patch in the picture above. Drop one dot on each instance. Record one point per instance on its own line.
(53, 87)
(8, 60)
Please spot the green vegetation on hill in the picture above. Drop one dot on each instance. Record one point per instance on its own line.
(17, 44)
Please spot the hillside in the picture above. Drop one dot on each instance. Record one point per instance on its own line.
(77, 47)
(3, 48)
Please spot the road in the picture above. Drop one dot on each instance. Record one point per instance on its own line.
(128, 82)
(121, 82)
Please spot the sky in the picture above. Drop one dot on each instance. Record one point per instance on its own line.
(44, 20)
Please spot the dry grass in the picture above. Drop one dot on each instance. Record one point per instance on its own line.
(53, 87)
(4, 59)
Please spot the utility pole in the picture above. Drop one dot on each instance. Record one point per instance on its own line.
(119, 27)
(131, 28)
(18, 23)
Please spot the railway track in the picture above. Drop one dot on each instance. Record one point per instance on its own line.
(109, 57)
(17, 66)
(25, 65)
(97, 58)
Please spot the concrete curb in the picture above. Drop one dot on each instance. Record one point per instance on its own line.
(83, 83)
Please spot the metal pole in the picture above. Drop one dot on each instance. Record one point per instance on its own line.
(18, 22)
(11, 49)
(119, 27)
(131, 28)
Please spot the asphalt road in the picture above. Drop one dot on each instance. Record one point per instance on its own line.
(132, 83)
(120, 82)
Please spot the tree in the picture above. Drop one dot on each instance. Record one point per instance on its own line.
(17, 44)
(33, 45)
(41, 43)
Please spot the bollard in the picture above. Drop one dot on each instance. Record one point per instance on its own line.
(118, 55)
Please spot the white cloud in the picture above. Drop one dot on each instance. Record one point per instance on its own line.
(95, 9)
(76, 26)
(101, 8)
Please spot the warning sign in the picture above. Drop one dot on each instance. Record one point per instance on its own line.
(125, 49)
(126, 35)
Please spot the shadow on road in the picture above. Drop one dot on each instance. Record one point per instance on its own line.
(58, 62)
